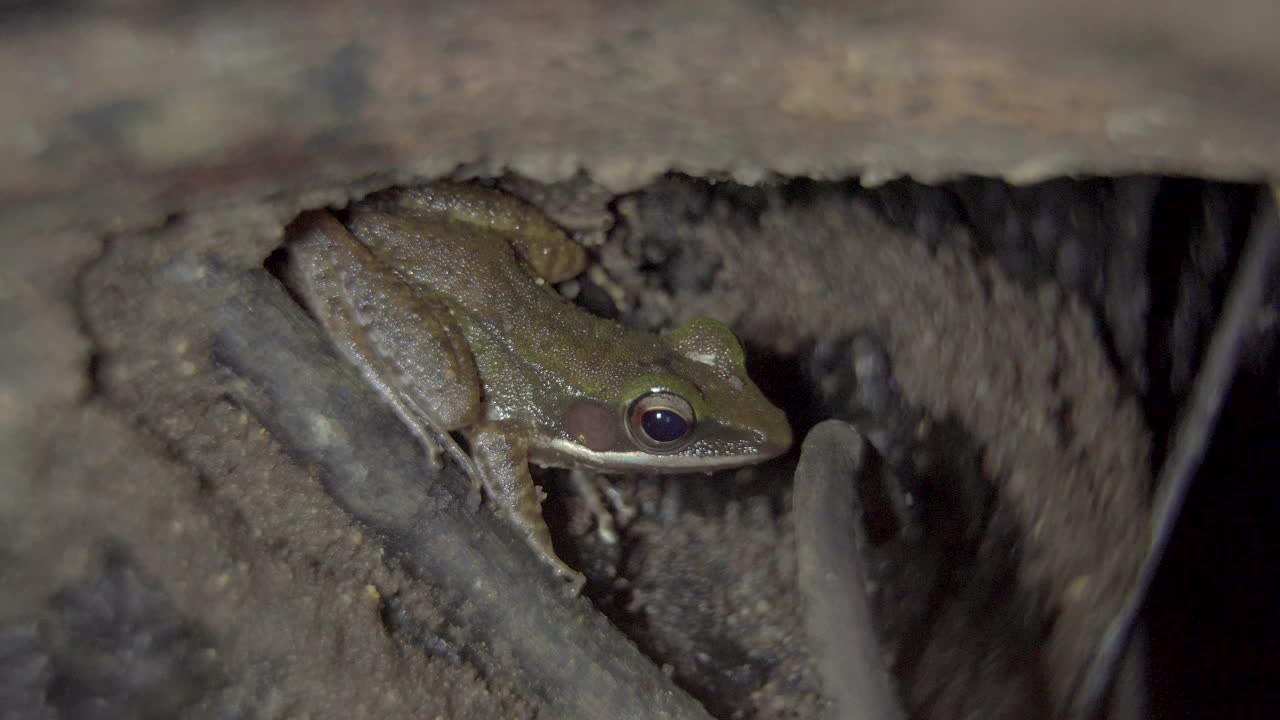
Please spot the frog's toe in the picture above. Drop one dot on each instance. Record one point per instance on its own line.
(573, 580)
(606, 531)
(475, 497)
(431, 446)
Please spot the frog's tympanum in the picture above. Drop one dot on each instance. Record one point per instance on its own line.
(441, 296)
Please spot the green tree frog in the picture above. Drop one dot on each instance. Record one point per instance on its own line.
(441, 296)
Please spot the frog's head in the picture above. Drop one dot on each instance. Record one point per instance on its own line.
(693, 410)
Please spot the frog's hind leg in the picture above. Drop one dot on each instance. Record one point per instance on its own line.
(423, 421)
(404, 342)
(547, 250)
(418, 392)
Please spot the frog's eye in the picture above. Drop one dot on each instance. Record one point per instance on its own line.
(660, 421)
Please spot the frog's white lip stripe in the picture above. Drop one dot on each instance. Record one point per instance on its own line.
(563, 453)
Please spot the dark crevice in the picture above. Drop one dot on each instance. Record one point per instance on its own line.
(1176, 219)
(1213, 623)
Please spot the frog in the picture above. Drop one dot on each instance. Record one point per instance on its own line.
(443, 297)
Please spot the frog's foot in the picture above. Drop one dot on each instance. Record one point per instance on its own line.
(538, 538)
(573, 580)
(591, 487)
(436, 446)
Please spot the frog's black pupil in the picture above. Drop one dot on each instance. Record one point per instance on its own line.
(663, 425)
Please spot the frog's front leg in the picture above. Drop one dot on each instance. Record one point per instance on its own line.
(502, 457)
(595, 491)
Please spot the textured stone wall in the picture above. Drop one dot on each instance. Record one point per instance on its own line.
(117, 118)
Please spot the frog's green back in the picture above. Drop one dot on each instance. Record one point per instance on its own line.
(538, 354)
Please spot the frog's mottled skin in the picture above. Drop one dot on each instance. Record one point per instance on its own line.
(441, 296)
